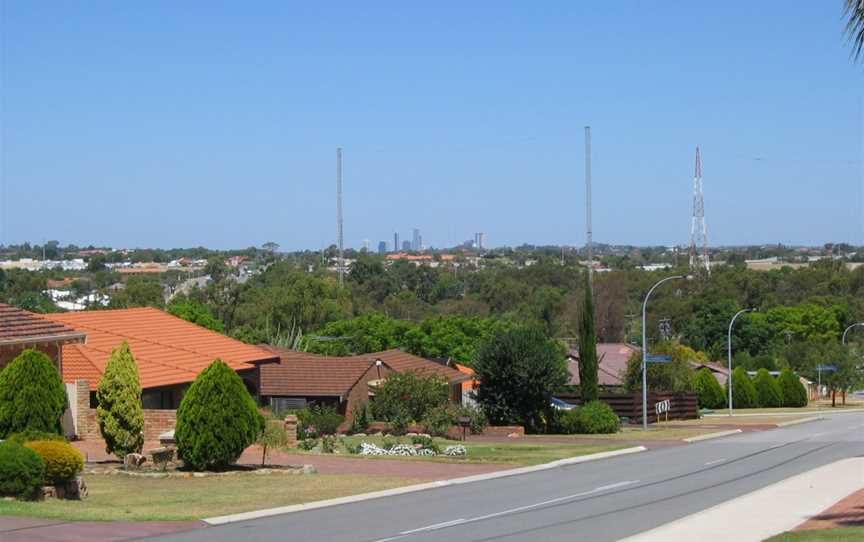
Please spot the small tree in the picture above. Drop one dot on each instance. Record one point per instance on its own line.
(409, 397)
(709, 390)
(588, 363)
(518, 370)
(217, 419)
(743, 392)
(32, 395)
(120, 413)
(792, 391)
(273, 436)
(768, 392)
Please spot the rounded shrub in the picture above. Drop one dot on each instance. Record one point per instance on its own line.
(709, 390)
(62, 461)
(567, 421)
(217, 419)
(743, 392)
(768, 392)
(597, 417)
(32, 395)
(29, 436)
(22, 471)
(792, 391)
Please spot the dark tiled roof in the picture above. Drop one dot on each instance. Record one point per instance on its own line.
(20, 326)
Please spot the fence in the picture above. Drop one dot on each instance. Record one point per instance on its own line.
(683, 406)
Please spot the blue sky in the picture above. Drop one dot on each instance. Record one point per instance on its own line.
(216, 123)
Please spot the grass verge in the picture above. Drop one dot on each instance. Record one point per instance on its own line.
(122, 498)
(840, 534)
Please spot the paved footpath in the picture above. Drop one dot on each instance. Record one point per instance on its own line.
(848, 512)
(14, 529)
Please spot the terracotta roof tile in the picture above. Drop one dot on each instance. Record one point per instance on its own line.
(20, 326)
(168, 350)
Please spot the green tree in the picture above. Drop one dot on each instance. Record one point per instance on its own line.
(195, 312)
(743, 392)
(32, 395)
(792, 391)
(588, 363)
(139, 292)
(409, 395)
(518, 370)
(855, 26)
(710, 392)
(217, 419)
(768, 393)
(674, 376)
(119, 409)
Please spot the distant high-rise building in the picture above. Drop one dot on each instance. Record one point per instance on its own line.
(406, 245)
(479, 240)
(395, 241)
(382, 247)
(416, 241)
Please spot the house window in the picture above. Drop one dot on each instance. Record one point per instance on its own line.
(281, 404)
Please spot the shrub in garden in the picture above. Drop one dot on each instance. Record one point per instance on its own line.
(32, 395)
(360, 419)
(709, 390)
(768, 392)
(479, 422)
(409, 395)
(567, 422)
(30, 435)
(597, 417)
(62, 461)
(743, 392)
(273, 436)
(22, 471)
(119, 410)
(439, 420)
(217, 419)
(792, 391)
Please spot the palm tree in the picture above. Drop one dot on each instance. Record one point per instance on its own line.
(855, 27)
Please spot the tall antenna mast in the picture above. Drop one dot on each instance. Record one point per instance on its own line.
(588, 204)
(698, 229)
(339, 215)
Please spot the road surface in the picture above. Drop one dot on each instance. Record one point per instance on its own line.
(602, 500)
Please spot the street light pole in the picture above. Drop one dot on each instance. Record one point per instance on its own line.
(848, 329)
(729, 346)
(645, 348)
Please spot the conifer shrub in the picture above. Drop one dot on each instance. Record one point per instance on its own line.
(22, 471)
(709, 390)
(743, 392)
(768, 392)
(120, 412)
(596, 417)
(62, 461)
(32, 395)
(792, 390)
(217, 419)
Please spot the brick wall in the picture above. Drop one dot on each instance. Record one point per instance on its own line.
(8, 353)
(155, 421)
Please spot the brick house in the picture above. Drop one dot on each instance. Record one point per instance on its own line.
(170, 353)
(344, 382)
(20, 329)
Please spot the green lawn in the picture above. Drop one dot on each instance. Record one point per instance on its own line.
(519, 453)
(138, 499)
(842, 534)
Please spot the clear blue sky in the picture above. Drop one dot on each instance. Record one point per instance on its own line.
(215, 123)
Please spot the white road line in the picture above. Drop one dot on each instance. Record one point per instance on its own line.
(715, 462)
(435, 526)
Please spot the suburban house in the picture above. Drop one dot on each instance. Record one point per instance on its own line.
(612, 366)
(301, 378)
(20, 329)
(170, 353)
(720, 372)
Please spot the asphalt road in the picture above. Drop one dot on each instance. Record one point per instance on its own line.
(598, 501)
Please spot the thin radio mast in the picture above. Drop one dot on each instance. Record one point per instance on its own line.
(339, 215)
(589, 240)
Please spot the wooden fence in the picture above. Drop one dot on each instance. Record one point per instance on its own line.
(683, 406)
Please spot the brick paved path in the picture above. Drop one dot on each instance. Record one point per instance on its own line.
(847, 513)
(47, 530)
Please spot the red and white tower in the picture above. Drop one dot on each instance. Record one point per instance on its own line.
(699, 261)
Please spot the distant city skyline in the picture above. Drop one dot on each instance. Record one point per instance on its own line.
(162, 126)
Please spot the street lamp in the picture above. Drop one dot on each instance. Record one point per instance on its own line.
(729, 346)
(848, 329)
(645, 347)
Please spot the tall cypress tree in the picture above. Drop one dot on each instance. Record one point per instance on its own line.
(588, 348)
(120, 413)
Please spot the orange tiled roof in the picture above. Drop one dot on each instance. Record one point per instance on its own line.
(22, 327)
(168, 350)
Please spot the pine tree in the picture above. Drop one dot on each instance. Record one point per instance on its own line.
(792, 390)
(768, 392)
(217, 419)
(120, 413)
(588, 364)
(32, 395)
(710, 393)
(743, 392)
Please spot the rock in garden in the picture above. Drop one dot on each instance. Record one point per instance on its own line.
(133, 461)
(309, 469)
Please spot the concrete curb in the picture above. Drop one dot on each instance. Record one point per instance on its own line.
(796, 422)
(709, 436)
(826, 410)
(255, 514)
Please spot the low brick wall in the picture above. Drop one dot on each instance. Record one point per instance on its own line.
(504, 430)
(156, 421)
